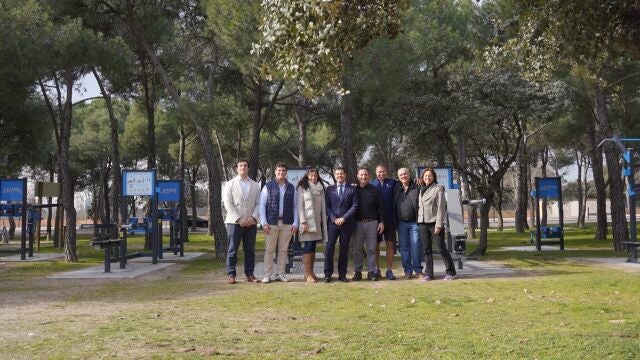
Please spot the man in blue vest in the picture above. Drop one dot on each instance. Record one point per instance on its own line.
(279, 218)
(386, 185)
(342, 208)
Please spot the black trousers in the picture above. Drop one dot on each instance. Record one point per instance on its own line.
(428, 237)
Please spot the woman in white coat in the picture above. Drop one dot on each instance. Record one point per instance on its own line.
(313, 219)
(432, 210)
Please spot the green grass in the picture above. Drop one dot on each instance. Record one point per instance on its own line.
(556, 307)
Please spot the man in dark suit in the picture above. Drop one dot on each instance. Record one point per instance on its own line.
(342, 207)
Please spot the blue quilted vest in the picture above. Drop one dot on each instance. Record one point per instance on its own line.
(273, 202)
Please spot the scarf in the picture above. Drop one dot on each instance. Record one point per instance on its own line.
(316, 189)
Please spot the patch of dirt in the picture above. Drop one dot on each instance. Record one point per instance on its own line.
(607, 263)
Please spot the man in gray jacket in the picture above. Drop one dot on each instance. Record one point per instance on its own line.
(241, 197)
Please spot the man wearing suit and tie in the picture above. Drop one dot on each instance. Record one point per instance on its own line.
(241, 197)
(342, 207)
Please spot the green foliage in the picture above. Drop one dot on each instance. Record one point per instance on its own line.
(302, 36)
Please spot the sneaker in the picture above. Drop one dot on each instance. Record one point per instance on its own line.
(408, 276)
(389, 275)
(426, 278)
(372, 276)
(357, 276)
(282, 277)
(266, 280)
(377, 275)
(449, 277)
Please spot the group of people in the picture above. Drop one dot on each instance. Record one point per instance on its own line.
(358, 217)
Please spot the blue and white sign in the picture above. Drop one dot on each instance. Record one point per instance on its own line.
(11, 190)
(295, 174)
(548, 187)
(138, 183)
(168, 190)
(444, 175)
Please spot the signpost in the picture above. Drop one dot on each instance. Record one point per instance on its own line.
(549, 188)
(143, 183)
(15, 191)
(444, 175)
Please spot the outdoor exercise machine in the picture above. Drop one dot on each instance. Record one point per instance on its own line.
(548, 188)
(456, 233)
(13, 203)
(143, 183)
(632, 189)
(171, 191)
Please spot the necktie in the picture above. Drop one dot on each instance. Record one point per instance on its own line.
(340, 191)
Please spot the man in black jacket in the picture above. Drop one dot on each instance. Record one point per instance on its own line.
(369, 223)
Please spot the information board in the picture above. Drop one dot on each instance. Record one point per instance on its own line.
(548, 188)
(11, 189)
(138, 183)
(295, 174)
(444, 175)
(168, 190)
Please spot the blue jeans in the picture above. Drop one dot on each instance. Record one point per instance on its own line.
(236, 233)
(410, 247)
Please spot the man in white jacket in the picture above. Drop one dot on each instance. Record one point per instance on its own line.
(241, 197)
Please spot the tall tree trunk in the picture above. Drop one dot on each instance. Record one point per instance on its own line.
(256, 128)
(104, 182)
(150, 109)
(544, 159)
(580, 190)
(182, 166)
(193, 177)
(67, 194)
(484, 226)
(221, 157)
(498, 207)
(346, 124)
(302, 118)
(49, 199)
(204, 137)
(522, 188)
(585, 187)
(239, 144)
(598, 180)
(116, 176)
(472, 214)
(616, 185)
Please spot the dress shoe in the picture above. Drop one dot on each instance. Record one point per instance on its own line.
(252, 279)
(327, 279)
(231, 279)
(343, 278)
(357, 276)
(371, 276)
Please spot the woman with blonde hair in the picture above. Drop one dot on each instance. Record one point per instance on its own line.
(313, 219)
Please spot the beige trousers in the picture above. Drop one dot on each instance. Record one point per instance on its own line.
(279, 237)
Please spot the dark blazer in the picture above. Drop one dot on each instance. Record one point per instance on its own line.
(346, 208)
